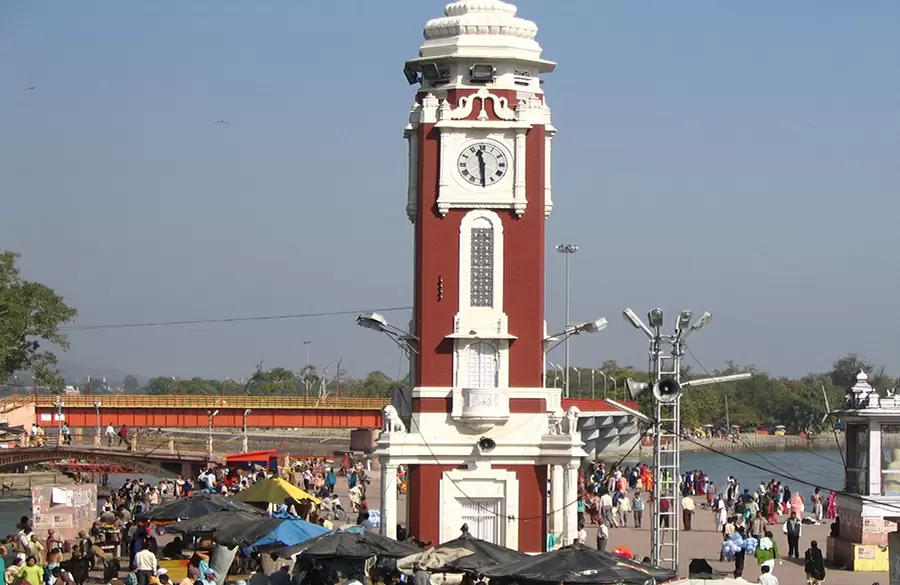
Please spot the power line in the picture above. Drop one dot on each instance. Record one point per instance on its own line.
(228, 319)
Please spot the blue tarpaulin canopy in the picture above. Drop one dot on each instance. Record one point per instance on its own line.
(291, 532)
(270, 531)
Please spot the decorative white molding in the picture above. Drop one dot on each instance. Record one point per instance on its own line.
(412, 191)
(466, 104)
(446, 391)
(480, 409)
(548, 167)
(520, 202)
(429, 109)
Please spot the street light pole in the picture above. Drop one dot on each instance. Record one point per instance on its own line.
(306, 345)
(209, 438)
(615, 386)
(59, 406)
(244, 441)
(99, 439)
(605, 380)
(568, 250)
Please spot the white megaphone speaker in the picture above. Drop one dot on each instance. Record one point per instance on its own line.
(667, 390)
(635, 389)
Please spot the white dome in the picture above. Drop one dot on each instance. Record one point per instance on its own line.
(480, 17)
(482, 28)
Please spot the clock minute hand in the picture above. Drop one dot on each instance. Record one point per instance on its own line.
(481, 169)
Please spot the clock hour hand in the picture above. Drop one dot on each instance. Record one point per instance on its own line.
(481, 169)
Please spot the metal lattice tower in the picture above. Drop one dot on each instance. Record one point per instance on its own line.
(666, 461)
(666, 352)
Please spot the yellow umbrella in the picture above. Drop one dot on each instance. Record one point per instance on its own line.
(274, 491)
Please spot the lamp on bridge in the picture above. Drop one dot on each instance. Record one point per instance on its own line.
(244, 441)
(209, 439)
(98, 438)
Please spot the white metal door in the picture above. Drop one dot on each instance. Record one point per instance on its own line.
(483, 518)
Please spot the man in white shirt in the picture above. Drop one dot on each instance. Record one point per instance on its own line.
(687, 511)
(110, 434)
(767, 578)
(602, 536)
(145, 566)
(606, 504)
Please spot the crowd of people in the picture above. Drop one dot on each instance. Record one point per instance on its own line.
(617, 497)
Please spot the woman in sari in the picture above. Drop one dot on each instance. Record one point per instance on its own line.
(831, 509)
(797, 505)
(772, 511)
(594, 508)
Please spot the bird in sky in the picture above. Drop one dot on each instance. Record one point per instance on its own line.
(220, 122)
(29, 88)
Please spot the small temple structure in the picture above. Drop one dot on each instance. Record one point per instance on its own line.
(867, 538)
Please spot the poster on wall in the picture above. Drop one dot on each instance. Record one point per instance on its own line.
(865, 553)
(872, 524)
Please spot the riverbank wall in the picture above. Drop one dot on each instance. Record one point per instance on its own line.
(745, 444)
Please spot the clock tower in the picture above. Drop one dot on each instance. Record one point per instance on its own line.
(479, 434)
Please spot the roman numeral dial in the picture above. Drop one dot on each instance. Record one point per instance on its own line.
(482, 164)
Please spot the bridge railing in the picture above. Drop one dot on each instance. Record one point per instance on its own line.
(193, 401)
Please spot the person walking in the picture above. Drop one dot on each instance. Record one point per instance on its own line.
(624, 508)
(766, 577)
(818, 502)
(638, 506)
(110, 434)
(602, 536)
(687, 512)
(815, 564)
(793, 528)
(758, 526)
(145, 565)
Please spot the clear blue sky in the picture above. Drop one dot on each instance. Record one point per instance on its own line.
(740, 158)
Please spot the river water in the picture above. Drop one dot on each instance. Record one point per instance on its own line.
(821, 468)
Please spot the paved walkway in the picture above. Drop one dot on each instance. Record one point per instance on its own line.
(702, 542)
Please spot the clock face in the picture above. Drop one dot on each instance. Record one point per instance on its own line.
(483, 164)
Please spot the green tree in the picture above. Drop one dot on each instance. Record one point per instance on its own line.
(30, 314)
(131, 383)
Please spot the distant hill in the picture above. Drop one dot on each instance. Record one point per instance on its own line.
(74, 373)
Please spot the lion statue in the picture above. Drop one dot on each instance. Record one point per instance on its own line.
(392, 422)
(571, 421)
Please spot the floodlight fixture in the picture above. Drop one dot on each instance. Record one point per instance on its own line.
(684, 320)
(655, 318)
(213, 413)
(594, 326)
(483, 72)
(248, 411)
(718, 380)
(430, 71)
(567, 248)
(636, 322)
(373, 321)
(377, 322)
(698, 324)
(412, 74)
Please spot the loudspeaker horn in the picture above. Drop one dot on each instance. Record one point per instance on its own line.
(667, 390)
(635, 389)
(486, 444)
